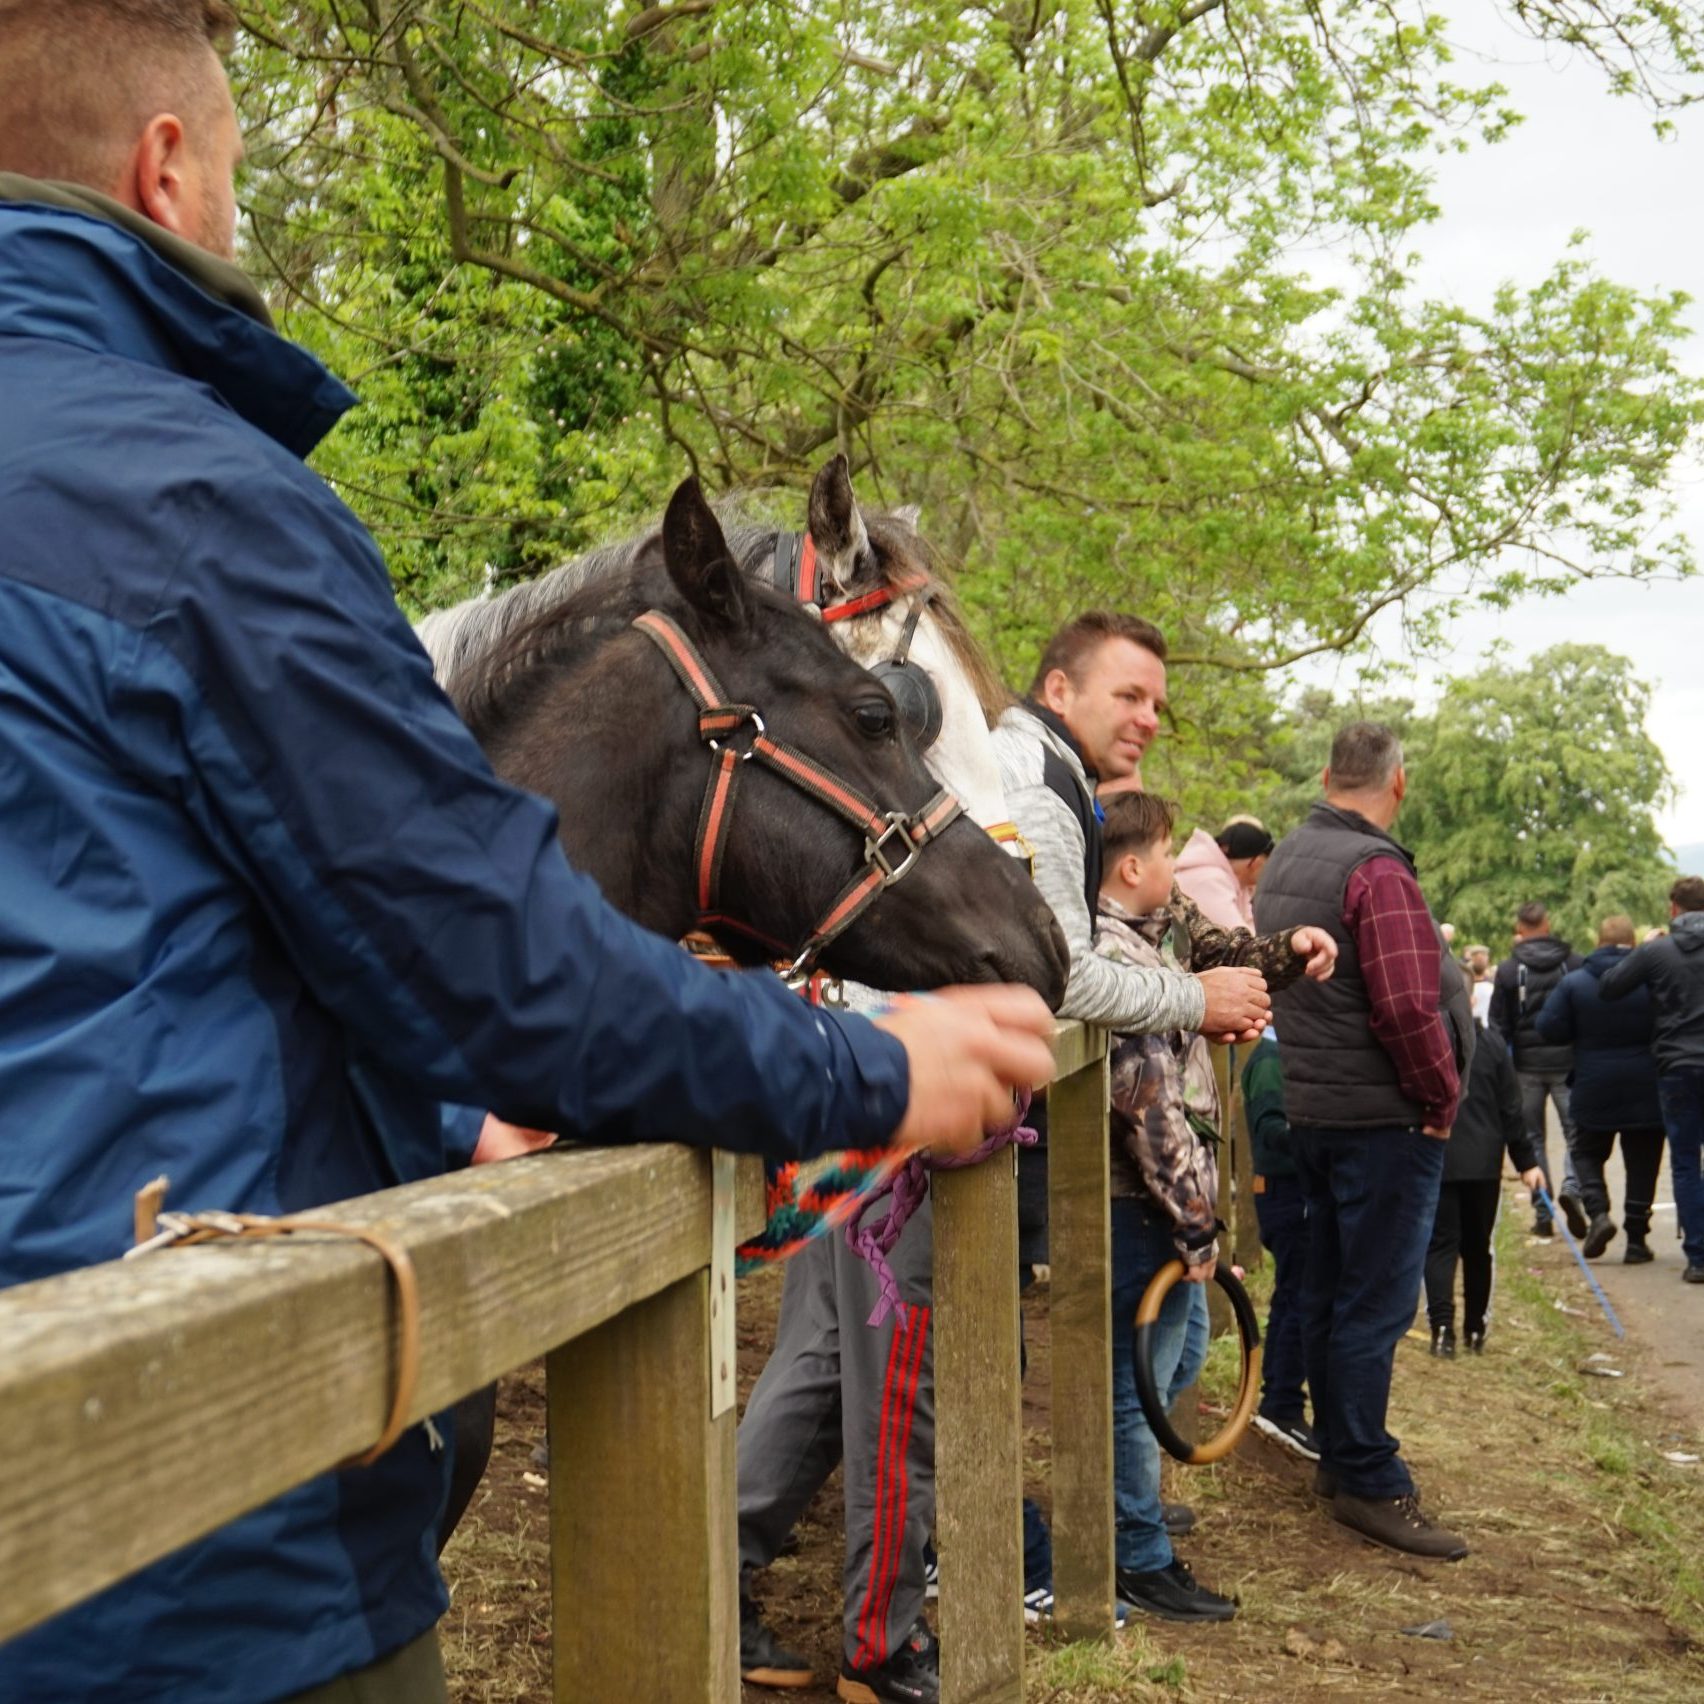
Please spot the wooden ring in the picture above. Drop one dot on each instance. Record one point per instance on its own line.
(1147, 1388)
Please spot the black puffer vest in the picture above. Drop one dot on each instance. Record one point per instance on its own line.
(1336, 1075)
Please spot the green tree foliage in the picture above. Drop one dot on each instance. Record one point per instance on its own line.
(1536, 781)
(1540, 782)
(1046, 268)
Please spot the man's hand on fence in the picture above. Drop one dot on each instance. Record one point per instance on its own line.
(1318, 948)
(969, 1049)
(1238, 1006)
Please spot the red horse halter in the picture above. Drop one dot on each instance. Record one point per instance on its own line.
(893, 840)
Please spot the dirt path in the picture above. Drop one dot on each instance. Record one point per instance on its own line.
(1584, 1583)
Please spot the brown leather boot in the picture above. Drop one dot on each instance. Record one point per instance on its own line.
(1397, 1524)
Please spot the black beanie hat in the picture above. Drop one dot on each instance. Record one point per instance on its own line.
(1244, 840)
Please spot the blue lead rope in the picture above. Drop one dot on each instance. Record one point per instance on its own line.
(1591, 1277)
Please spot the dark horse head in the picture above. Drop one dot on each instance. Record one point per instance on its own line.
(579, 706)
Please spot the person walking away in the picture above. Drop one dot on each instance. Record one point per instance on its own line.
(1672, 967)
(1522, 984)
(267, 910)
(1614, 1091)
(1220, 871)
(1479, 962)
(1488, 1125)
(1282, 1211)
(1164, 1181)
(1372, 1073)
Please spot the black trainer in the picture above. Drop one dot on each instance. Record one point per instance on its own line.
(1179, 1519)
(912, 1675)
(1574, 1211)
(763, 1660)
(1443, 1342)
(1297, 1436)
(1397, 1524)
(1637, 1252)
(1599, 1235)
(1694, 1274)
(1475, 1339)
(1173, 1594)
(1542, 1226)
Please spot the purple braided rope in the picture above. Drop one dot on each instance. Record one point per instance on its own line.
(904, 1188)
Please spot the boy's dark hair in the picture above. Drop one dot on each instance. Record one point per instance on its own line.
(1688, 894)
(1532, 914)
(1072, 646)
(1135, 822)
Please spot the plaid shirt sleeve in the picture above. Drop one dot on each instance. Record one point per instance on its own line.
(1400, 963)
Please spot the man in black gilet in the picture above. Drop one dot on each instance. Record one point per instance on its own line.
(1373, 1061)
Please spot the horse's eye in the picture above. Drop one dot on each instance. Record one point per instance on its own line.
(874, 720)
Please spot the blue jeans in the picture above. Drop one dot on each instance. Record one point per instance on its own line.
(1282, 1210)
(1682, 1096)
(1141, 1245)
(1372, 1196)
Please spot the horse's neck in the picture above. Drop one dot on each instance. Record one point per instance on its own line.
(962, 758)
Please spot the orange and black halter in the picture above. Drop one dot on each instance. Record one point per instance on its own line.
(735, 734)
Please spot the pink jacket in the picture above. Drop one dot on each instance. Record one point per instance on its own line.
(1205, 874)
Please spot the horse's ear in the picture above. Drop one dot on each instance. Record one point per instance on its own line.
(838, 530)
(697, 557)
(909, 514)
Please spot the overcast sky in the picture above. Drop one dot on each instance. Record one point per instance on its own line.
(1584, 159)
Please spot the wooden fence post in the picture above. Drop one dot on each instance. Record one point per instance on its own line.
(979, 1471)
(644, 1570)
(1079, 1247)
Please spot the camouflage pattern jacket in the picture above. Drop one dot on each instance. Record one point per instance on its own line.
(1165, 1102)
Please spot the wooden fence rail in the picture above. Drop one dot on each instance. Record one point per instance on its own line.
(144, 1403)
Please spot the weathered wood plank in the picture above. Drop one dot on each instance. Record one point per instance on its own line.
(644, 1597)
(193, 1385)
(979, 1433)
(1075, 1045)
(1080, 1311)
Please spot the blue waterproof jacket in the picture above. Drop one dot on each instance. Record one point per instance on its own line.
(1615, 1072)
(265, 906)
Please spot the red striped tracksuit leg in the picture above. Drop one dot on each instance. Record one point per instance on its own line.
(888, 1435)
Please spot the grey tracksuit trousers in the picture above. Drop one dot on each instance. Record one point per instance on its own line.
(836, 1389)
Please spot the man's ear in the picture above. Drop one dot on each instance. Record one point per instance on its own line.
(153, 180)
(837, 528)
(1401, 783)
(696, 556)
(1055, 691)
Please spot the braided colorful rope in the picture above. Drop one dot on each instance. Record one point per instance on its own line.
(808, 1198)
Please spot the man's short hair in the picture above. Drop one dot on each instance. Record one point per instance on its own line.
(1616, 931)
(1688, 894)
(1135, 822)
(1072, 646)
(1533, 915)
(1364, 756)
(80, 78)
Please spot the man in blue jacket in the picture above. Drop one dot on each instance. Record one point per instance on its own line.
(265, 905)
(1614, 1089)
(1672, 967)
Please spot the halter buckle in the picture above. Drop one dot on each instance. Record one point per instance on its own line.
(899, 823)
(750, 719)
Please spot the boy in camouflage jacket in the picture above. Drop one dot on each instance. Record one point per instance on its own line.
(1165, 1116)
